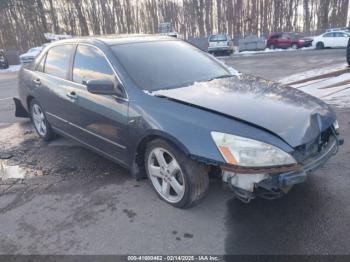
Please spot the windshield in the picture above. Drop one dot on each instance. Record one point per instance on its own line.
(215, 38)
(167, 64)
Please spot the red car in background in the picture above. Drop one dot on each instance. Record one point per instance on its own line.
(288, 40)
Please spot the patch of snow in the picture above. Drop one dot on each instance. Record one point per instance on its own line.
(311, 73)
(148, 92)
(12, 68)
(268, 50)
(328, 83)
(340, 99)
(333, 90)
(323, 92)
(310, 82)
(9, 171)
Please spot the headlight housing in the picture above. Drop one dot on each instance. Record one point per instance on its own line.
(336, 125)
(245, 152)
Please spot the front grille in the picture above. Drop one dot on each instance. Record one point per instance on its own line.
(305, 153)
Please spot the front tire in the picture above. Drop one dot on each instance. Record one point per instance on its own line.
(42, 126)
(320, 45)
(177, 179)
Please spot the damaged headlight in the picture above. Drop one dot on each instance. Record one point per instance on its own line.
(336, 125)
(247, 152)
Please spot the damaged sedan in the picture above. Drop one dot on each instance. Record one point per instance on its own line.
(168, 111)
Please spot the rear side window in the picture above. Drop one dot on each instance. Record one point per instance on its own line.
(328, 35)
(339, 34)
(58, 60)
(285, 36)
(90, 64)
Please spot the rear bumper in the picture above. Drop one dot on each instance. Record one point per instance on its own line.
(220, 48)
(306, 44)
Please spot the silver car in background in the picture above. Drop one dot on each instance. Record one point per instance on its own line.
(31, 54)
(221, 43)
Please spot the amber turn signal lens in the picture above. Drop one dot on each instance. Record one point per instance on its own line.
(228, 155)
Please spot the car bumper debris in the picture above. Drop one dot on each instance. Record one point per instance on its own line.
(248, 186)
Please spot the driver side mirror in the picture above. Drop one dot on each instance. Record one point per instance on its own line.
(104, 87)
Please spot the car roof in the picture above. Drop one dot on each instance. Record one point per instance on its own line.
(219, 34)
(116, 39)
(339, 31)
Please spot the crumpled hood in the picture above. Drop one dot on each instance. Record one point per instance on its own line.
(294, 116)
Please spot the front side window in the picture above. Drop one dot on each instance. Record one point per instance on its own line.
(40, 66)
(58, 60)
(328, 35)
(90, 64)
(167, 64)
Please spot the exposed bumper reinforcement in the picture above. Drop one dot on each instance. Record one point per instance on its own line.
(278, 184)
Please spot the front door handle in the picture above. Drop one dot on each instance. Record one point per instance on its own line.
(72, 95)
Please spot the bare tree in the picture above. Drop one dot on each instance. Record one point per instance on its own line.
(23, 22)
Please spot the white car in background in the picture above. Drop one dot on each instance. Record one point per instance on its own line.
(31, 54)
(221, 43)
(331, 39)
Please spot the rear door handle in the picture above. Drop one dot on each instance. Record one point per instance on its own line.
(72, 95)
(37, 82)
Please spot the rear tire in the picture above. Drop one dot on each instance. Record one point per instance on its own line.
(272, 47)
(320, 45)
(177, 179)
(38, 117)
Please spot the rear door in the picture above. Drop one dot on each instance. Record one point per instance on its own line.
(97, 120)
(50, 84)
(341, 39)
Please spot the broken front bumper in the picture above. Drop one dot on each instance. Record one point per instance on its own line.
(247, 186)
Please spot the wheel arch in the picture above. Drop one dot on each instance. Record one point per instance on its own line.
(137, 169)
(320, 42)
(28, 100)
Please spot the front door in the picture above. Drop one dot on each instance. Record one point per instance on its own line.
(341, 39)
(97, 120)
(328, 39)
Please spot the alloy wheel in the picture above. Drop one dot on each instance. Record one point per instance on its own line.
(166, 175)
(39, 119)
